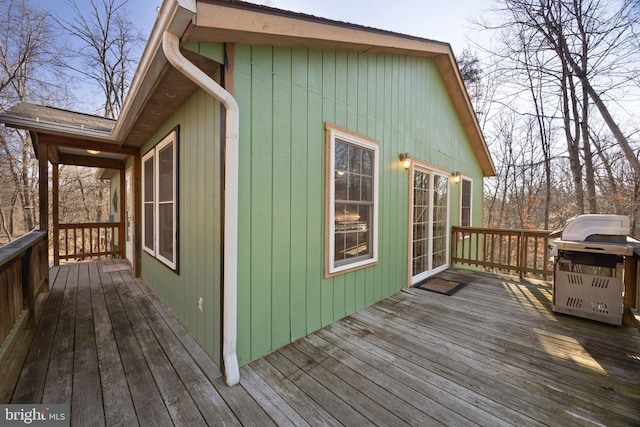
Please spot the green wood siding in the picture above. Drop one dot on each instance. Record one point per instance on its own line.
(199, 227)
(285, 96)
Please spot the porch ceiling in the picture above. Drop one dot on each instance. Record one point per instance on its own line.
(167, 93)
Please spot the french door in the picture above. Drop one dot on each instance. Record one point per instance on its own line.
(429, 223)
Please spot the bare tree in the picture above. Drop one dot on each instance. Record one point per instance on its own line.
(85, 197)
(29, 66)
(108, 46)
(570, 64)
(593, 25)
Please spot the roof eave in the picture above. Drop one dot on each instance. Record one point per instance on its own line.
(174, 16)
(59, 129)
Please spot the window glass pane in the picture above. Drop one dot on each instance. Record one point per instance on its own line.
(352, 230)
(364, 225)
(354, 187)
(367, 162)
(165, 174)
(342, 157)
(148, 180)
(366, 188)
(148, 225)
(341, 186)
(346, 217)
(165, 232)
(465, 219)
(354, 172)
(355, 159)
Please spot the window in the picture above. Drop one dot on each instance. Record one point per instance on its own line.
(352, 207)
(159, 189)
(465, 204)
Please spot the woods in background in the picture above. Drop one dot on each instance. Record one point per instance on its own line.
(557, 97)
(41, 57)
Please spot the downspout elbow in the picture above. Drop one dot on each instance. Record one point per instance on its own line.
(171, 48)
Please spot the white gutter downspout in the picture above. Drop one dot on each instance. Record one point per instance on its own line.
(171, 48)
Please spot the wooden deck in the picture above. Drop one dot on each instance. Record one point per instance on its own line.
(492, 354)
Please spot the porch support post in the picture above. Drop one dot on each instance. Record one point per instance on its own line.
(123, 217)
(630, 289)
(55, 182)
(43, 185)
(137, 214)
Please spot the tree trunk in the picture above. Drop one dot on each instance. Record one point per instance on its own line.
(588, 156)
(4, 225)
(572, 146)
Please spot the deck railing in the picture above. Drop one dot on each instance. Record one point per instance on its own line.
(86, 241)
(24, 273)
(521, 252)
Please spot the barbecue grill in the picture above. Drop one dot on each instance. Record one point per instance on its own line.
(589, 267)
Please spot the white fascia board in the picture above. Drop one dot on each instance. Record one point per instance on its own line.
(174, 16)
(55, 128)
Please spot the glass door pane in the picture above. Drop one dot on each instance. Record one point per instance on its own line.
(440, 220)
(421, 229)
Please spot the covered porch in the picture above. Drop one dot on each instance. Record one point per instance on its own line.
(493, 353)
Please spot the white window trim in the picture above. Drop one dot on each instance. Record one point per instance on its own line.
(171, 138)
(462, 179)
(333, 133)
(150, 251)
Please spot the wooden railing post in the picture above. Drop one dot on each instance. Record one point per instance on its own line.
(28, 275)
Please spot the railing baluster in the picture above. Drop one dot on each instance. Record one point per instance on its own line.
(523, 252)
(96, 240)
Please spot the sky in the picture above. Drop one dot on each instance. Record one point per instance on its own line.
(445, 21)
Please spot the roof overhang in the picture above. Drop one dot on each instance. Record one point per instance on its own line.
(70, 136)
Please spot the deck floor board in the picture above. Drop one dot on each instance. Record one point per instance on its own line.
(494, 353)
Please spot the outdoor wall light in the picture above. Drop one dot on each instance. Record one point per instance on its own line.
(456, 177)
(405, 158)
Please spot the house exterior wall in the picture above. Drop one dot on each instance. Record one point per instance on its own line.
(285, 97)
(114, 191)
(199, 223)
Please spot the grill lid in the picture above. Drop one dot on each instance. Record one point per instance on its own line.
(596, 227)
